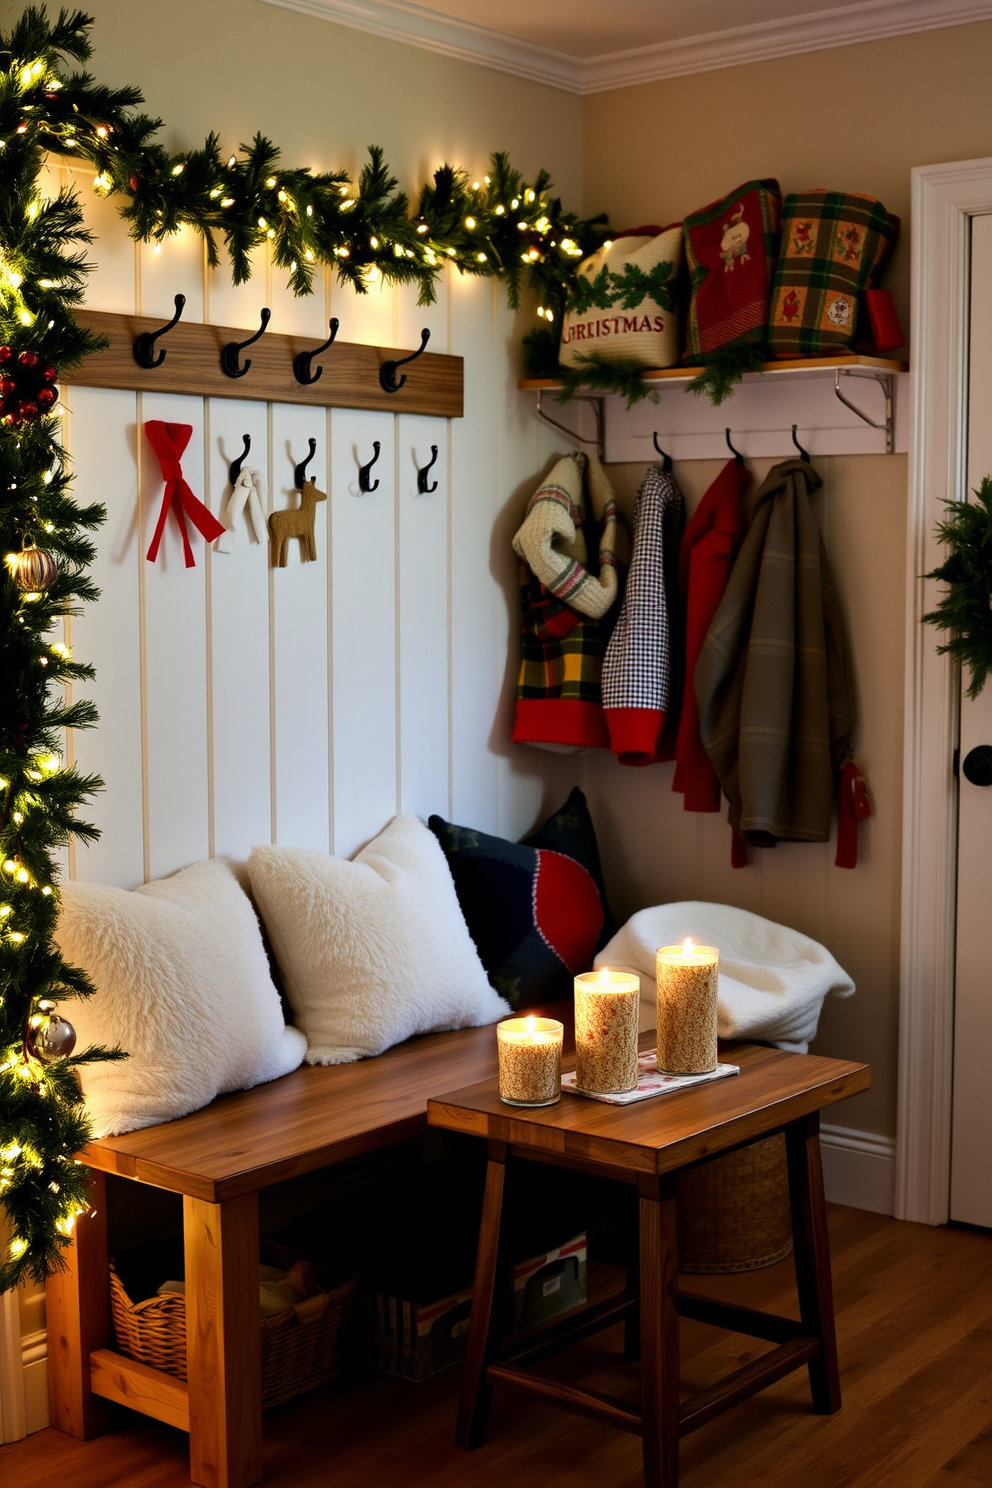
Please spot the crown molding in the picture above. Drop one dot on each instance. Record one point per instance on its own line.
(821, 30)
(463, 40)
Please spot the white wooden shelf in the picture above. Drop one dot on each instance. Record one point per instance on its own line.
(760, 413)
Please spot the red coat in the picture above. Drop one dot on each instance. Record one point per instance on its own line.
(706, 556)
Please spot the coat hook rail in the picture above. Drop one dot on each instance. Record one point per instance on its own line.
(423, 487)
(388, 380)
(301, 363)
(884, 380)
(144, 345)
(230, 357)
(234, 470)
(300, 470)
(597, 406)
(364, 483)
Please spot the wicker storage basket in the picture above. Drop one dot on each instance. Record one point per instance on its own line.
(733, 1212)
(301, 1347)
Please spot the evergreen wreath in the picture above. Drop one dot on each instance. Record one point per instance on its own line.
(502, 227)
(966, 608)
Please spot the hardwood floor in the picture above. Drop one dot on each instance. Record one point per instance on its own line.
(914, 1315)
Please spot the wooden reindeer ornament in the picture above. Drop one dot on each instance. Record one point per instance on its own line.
(298, 521)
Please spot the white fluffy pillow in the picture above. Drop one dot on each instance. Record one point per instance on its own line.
(374, 950)
(183, 986)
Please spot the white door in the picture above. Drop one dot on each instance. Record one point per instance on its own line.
(971, 1151)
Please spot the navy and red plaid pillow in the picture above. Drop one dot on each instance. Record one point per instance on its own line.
(536, 909)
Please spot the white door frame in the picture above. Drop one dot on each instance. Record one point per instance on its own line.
(945, 198)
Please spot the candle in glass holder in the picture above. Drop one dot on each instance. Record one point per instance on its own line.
(607, 1004)
(687, 1007)
(529, 1061)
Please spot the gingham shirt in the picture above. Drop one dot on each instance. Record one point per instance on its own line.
(638, 663)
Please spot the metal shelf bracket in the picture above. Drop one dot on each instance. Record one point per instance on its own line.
(884, 380)
(597, 407)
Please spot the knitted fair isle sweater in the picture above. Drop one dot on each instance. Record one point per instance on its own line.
(566, 604)
(640, 684)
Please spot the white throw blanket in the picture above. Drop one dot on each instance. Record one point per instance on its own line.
(772, 979)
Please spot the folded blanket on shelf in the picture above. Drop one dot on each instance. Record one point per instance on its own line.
(772, 979)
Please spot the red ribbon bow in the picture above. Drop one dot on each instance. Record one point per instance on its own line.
(168, 441)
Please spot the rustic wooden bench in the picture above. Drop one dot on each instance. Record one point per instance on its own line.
(219, 1159)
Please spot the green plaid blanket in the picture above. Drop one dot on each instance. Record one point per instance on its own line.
(835, 245)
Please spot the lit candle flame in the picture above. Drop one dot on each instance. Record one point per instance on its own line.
(530, 1024)
(687, 947)
(604, 974)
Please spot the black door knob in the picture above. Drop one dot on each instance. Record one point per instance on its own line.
(977, 765)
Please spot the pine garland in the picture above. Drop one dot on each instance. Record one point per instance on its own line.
(966, 608)
(724, 370)
(501, 227)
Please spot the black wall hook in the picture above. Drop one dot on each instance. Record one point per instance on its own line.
(144, 345)
(735, 452)
(301, 362)
(388, 380)
(802, 453)
(422, 487)
(666, 460)
(363, 471)
(231, 353)
(300, 470)
(235, 467)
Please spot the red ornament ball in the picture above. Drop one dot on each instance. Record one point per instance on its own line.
(32, 569)
(133, 182)
(27, 411)
(49, 374)
(29, 359)
(7, 386)
(5, 354)
(45, 397)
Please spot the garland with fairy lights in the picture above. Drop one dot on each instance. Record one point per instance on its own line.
(966, 607)
(502, 227)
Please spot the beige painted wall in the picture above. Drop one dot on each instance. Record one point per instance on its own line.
(857, 118)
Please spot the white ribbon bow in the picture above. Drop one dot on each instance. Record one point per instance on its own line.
(247, 495)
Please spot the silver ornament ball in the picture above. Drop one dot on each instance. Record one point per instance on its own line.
(55, 1038)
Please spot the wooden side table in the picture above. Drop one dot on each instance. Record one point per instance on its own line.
(647, 1145)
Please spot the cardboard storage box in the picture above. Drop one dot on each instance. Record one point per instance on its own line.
(417, 1339)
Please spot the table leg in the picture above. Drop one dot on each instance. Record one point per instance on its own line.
(632, 1325)
(659, 1309)
(811, 1247)
(78, 1312)
(476, 1393)
(223, 1342)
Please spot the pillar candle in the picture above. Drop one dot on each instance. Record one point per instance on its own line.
(529, 1061)
(687, 1007)
(607, 1004)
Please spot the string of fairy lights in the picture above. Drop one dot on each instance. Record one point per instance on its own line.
(364, 231)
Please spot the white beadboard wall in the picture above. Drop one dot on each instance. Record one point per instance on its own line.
(306, 705)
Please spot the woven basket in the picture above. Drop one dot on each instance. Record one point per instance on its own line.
(301, 1347)
(733, 1212)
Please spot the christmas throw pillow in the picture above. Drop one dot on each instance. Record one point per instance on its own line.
(622, 306)
(183, 987)
(835, 245)
(536, 909)
(371, 950)
(730, 248)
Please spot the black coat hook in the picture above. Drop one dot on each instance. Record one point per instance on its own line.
(235, 467)
(388, 380)
(422, 487)
(300, 470)
(144, 345)
(230, 355)
(363, 471)
(802, 453)
(301, 362)
(666, 460)
(735, 452)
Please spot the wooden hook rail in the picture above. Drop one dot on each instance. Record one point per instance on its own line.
(434, 382)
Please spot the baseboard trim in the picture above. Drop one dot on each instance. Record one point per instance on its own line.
(859, 1168)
